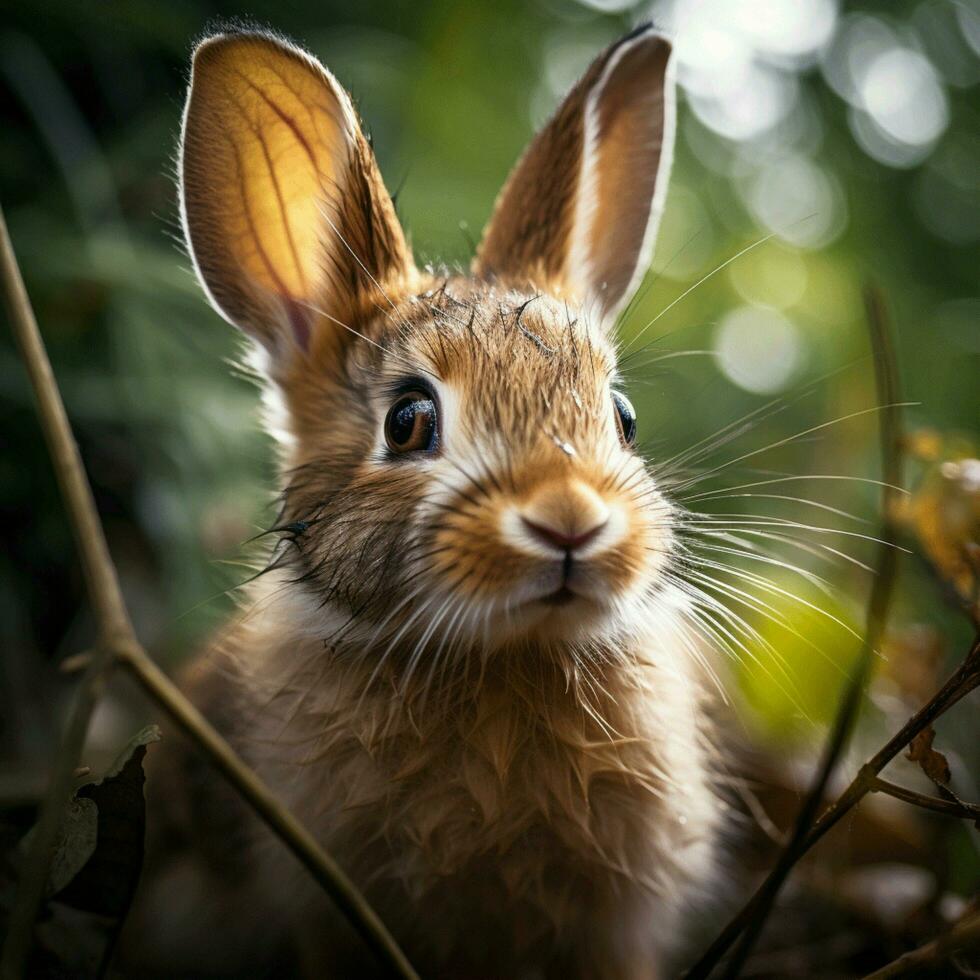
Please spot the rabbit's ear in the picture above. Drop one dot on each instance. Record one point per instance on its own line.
(288, 221)
(578, 214)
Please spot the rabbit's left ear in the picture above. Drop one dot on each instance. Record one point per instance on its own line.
(292, 232)
(578, 215)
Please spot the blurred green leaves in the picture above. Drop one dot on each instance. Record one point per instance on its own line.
(791, 680)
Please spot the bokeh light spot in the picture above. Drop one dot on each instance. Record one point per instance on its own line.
(758, 349)
(902, 94)
(798, 200)
(773, 276)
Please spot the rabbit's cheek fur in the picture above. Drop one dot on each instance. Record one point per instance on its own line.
(354, 549)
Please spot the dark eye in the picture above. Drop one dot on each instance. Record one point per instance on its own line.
(411, 423)
(625, 418)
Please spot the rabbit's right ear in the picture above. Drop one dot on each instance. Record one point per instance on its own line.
(287, 219)
(578, 215)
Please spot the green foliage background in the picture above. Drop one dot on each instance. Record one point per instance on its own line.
(90, 100)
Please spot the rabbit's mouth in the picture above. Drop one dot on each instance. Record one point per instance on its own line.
(565, 583)
(560, 597)
(561, 615)
(566, 600)
(565, 592)
(565, 596)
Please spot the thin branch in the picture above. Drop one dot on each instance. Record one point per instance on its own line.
(961, 937)
(117, 641)
(952, 808)
(750, 921)
(960, 683)
(110, 612)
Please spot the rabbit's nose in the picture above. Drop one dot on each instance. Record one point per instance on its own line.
(566, 516)
(561, 539)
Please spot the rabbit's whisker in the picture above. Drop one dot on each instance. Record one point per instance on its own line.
(740, 522)
(724, 628)
(710, 494)
(690, 289)
(788, 439)
(727, 495)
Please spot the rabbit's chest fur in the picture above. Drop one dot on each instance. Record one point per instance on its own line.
(561, 810)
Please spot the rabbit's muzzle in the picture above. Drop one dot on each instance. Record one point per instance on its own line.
(562, 554)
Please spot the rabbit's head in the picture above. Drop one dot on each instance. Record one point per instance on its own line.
(458, 459)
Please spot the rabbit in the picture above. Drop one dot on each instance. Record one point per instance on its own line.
(467, 667)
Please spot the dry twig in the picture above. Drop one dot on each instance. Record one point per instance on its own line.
(963, 680)
(962, 936)
(118, 643)
(952, 808)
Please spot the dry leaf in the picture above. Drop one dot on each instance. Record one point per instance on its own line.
(924, 444)
(944, 512)
(934, 764)
(104, 883)
(95, 867)
(75, 844)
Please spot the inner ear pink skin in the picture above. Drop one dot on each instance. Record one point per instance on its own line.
(299, 320)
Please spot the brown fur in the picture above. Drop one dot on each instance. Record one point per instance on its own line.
(520, 787)
(532, 221)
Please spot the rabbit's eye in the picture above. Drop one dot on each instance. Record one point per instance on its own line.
(625, 418)
(411, 423)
